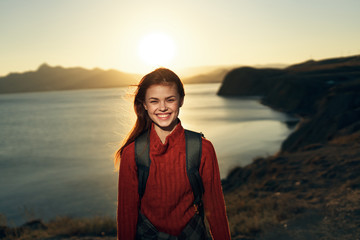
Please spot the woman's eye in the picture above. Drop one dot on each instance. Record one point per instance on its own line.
(171, 100)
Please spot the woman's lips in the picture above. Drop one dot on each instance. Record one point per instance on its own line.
(163, 116)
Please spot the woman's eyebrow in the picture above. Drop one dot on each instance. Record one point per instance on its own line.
(155, 98)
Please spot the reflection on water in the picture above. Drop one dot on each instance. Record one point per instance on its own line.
(56, 148)
(239, 128)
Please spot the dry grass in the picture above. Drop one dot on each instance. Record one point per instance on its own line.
(65, 228)
(310, 194)
(252, 213)
(354, 138)
(97, 226)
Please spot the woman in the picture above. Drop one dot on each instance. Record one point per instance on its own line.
(167, 203)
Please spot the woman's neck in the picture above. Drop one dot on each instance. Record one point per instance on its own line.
(163, 133)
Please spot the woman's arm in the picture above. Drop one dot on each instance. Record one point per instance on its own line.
(213, 198)
(128, 197)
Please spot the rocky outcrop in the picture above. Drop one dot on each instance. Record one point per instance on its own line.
(323, 93)
(338, 115)
(248, 81)
(295, 89)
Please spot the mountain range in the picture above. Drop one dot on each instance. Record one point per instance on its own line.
(49, 78)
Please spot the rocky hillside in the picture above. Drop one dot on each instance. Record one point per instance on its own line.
(309, 194)
(337, 115)
(311, 188)
(323, 93)
(302, 85)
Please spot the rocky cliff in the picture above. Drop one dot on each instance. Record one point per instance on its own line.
(311, 188)
(295, 89)
(323, 93)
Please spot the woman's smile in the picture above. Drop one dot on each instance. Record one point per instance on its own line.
(163, 116)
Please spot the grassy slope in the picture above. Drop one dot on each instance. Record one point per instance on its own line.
(312, 193)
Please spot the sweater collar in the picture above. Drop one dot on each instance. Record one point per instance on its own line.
(172, 139)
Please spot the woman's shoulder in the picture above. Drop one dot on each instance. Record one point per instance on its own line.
(207, 146)
(206, 143)
(208, 155)
(129, 150)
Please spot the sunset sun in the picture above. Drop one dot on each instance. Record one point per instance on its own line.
(156, 49)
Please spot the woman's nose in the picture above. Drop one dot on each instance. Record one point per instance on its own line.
(163, 106)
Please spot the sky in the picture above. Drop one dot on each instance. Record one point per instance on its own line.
(108, 33)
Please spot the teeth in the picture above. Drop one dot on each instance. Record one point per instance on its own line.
(163, 115)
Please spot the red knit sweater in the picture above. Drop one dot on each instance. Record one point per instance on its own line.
(168, 198)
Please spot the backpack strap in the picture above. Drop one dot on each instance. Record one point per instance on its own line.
(142, 159)
(193, 158)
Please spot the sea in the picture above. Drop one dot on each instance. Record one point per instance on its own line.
(57, 147)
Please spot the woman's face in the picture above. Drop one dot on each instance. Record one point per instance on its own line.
(162, 103)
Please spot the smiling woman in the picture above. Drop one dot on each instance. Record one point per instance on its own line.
(156, 49)
(177, 196)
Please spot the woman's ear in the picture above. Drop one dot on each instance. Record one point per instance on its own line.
(145, 106)
(181, 102)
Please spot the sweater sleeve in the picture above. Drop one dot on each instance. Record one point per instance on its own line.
(128, 197)
(213, 198)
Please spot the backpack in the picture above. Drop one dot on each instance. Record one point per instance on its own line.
(193, 157)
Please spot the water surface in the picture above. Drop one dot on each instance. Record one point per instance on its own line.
(56, 148)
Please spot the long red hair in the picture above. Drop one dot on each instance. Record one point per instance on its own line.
(143, 121)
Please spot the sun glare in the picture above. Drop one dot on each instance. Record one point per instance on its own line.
(156, 49)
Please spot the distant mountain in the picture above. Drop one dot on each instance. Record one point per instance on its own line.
(215, 76)
(47, 78)
(204, 70)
